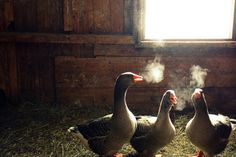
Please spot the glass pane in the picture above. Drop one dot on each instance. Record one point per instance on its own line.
(188, 19)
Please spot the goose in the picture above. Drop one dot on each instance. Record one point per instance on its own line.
(103, 140)
(157, 134)
(208, 132)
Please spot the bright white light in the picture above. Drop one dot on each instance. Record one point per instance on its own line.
(188, 19)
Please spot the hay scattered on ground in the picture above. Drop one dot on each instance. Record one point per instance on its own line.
(40, 130)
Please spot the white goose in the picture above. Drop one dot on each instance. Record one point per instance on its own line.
(208, 132)
(106, 135)
(157, 134)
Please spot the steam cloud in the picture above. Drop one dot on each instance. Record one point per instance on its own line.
(183, 86)
(198, 76)
(154, 71)
(183, 91)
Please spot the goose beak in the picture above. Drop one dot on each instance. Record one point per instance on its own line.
(137, 78)
(173, 98)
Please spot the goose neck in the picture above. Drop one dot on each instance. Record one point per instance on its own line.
(163, 118)
(120, 99)
(201, 108)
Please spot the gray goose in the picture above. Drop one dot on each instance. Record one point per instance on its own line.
(208, 132)
(157, 134)
(103, 140)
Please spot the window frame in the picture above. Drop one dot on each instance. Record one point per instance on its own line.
(138, 32)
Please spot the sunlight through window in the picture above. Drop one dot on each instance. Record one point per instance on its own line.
(188, 19)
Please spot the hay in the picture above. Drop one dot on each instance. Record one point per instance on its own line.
(39, 130)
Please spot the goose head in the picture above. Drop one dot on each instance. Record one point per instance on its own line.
(127, 79)
(169, 100)
(198, 99)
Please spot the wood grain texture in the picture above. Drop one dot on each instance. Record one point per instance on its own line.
(2, 16)
(84, 16)
(35, 72)
(8, 17)
(67, 12)
(25, 15)
(8, 72)
(128, 16)
(65, 38)
(49, 16)
(117, 16)
(89, 80)
(102, 22)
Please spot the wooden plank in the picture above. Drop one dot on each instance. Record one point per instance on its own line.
(8, 72)
(67, 12)
(4, 68)
(43, 16)
(128, 16)
(25, 18)
(8, 15)
(13, 78)
(117, 16)
(55, 13)
(1, 16)
(118, 39)
(18, 15)
(82, 51)
(85, 16)
(65, 38)
(102, 13)
(78, 72)
(221, 99)
(35, 71)
(93, 72)
(49, 16)
(234, 23)
(190, 51)
(143, 98)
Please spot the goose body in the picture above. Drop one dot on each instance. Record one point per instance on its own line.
(158, 134)
(106, 135)
(208, 132)
(102, 127)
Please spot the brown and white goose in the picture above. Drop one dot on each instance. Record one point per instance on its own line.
(160, 133)
(106, 135)
(208, 132)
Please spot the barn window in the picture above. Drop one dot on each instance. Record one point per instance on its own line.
(184, 21)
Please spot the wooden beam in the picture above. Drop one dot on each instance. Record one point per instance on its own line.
(65, 38)
(102, 39)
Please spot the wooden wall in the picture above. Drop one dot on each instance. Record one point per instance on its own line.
(69, 52)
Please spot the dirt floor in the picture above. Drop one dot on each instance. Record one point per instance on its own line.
(38, 130)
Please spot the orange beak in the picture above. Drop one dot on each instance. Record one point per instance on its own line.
(137, 78)
(173, 99)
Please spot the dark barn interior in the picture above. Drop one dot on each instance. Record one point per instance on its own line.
(62, 57)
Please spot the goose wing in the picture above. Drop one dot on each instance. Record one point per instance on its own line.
(102, 126)
(144, 124)
(97, 127)
(222, 125)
